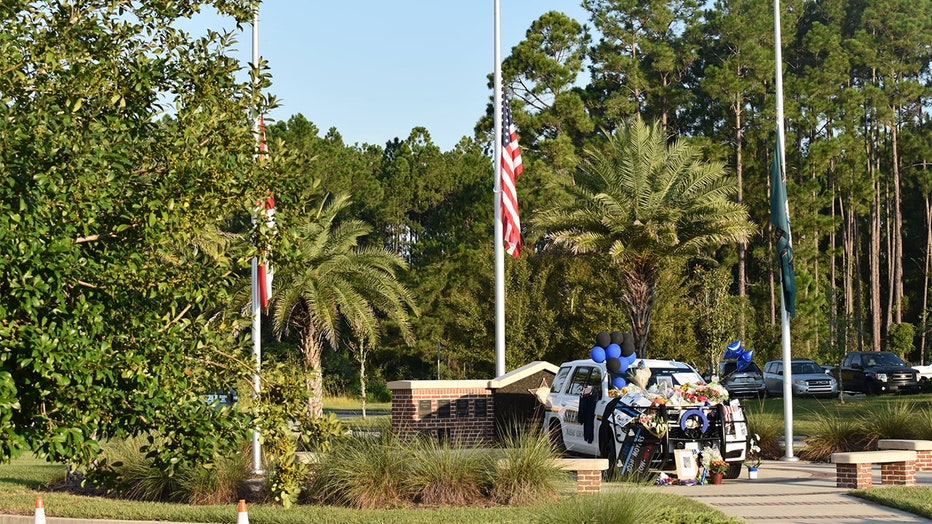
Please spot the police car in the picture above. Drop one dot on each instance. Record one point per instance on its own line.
(640, 429)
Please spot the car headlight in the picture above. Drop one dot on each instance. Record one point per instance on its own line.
(799, 382)
(881, 376)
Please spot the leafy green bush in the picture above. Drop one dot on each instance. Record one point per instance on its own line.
(900, 339)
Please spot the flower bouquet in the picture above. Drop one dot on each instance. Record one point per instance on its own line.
(713, 463)
(654, 422)
(701, 393)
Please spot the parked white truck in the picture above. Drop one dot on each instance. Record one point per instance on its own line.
(639, 428)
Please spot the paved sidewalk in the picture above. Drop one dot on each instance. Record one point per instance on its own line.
(795, 493)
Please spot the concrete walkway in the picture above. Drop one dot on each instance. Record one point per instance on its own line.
(798, 493)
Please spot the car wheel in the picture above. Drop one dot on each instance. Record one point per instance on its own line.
(734, 470)
(555, 434)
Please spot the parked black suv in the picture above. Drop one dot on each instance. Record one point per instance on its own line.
(875, 372)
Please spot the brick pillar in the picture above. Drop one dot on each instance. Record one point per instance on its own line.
(924, 460)
(853, 475)
(588, 482)
(898, 473)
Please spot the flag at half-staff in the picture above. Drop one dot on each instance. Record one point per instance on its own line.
(780, 218)
(265, 212)
(510, 169)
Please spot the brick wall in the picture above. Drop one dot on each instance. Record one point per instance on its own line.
(459, 411)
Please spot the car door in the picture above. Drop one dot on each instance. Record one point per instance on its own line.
(584, 380)
(773, 378)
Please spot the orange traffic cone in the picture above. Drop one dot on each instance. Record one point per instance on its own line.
(40, 512)
(241, 516)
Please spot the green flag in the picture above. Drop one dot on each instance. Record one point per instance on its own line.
(780, 218)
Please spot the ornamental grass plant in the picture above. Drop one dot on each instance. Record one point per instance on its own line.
(899, 419)
(833, 433)
(525, 471)
(626, 506)
(363, 472)
(446, 474)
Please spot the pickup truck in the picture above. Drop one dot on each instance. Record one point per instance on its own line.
(925, 372)
(875, 372)
(639, 428)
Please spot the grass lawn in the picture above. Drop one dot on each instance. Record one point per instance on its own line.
(807, 411)
(914, 499)
(22, 479)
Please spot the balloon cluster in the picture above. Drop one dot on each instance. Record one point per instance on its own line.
(616, 349)
(739, 354)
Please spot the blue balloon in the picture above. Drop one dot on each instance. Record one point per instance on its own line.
(629, 360)
(734, 350)
(597, 354)
(613, 351)
(619, 382)
(744, 359)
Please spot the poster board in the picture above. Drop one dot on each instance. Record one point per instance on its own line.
(686, 467)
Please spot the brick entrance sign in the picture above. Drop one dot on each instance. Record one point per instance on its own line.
(467, 412)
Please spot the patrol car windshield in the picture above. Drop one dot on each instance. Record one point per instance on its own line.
(673, 376)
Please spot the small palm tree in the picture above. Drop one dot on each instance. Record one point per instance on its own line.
(335, 284)
(642, 202)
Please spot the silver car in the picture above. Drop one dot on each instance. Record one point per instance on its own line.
(748, 381)
(809, 379)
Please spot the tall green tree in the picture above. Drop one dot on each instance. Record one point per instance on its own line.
(641, 203)
(335, 291)
(124, 138)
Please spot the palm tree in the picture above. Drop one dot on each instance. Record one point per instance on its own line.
(335, 285)
(642, 202)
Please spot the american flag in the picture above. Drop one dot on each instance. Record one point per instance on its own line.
(260, 137)
(267, 210)
(511, 168)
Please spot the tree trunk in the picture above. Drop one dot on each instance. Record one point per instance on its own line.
(638, 297)
(362, 378)
(311, 348)
(925, 282)
(897, 220)
(876, 309)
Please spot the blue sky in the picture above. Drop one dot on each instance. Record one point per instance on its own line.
(375, 69)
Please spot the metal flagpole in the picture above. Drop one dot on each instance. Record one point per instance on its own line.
(499, 230)
(784, 316)
(256, 306)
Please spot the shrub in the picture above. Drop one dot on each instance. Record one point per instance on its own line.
(441, 474)
(138, 478)
(889, 420)
(524, 471)
(220, 484)
(363, 472)
(628, 506)
(833, 433)
(769, 428)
